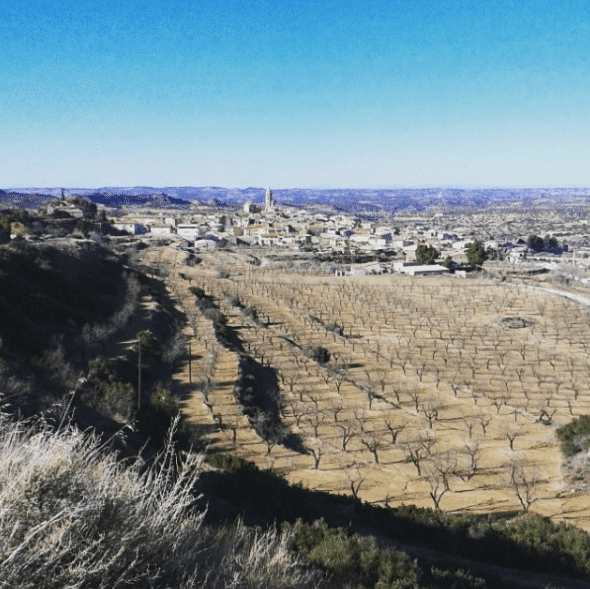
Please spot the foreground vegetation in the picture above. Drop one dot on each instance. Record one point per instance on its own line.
(73, 513)
(523, 541)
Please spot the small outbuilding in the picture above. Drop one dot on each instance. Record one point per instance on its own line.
(422, 270)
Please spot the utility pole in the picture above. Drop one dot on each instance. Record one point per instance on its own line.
(138, 374)
(190, 361)
(137, 342)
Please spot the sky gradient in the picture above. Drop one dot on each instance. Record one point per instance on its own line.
(331, 94)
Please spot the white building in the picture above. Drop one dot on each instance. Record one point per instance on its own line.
(133, 228)
(160, 229)
(420, 270)
(189, 231)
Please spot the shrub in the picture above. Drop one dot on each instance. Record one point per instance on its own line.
(233, 301)
(72, 516)
(214, 315)
(317, 353)
(192, 260)
(359, 561)
(105, 392)
(157, 416)
(575, 436)
(251, 313)
(174, 348)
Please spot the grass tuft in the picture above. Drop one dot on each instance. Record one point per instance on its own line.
(72, 516)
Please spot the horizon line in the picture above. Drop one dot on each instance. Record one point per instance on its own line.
(426, 187)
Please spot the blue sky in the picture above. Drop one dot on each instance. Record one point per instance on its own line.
(406, 93)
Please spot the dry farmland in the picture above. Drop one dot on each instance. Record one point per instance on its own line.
(429, 397)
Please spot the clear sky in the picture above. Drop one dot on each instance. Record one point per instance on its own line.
(364, 94)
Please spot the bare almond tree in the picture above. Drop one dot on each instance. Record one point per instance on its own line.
(395, 428)
(436, 482)
(317, 449)
(418, 449)
(349, 430)
(336, 410)
(469, 421)
(522, 479)
(472, 451)
(372, 443)
(511, 432)
(431, 408)
(484, 421)
(414, 393)
(497, 401)
(354, 477)
(315, 419)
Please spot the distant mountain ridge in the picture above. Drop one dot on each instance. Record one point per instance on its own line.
(346, 200)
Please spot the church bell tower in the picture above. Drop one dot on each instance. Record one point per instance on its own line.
(269, 202)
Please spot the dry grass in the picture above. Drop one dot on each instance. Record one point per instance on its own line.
(72, 516)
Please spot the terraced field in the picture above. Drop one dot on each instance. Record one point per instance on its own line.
(439, 391)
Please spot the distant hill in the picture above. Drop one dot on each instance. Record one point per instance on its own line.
(346, 200)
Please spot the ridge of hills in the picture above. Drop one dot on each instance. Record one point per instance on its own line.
(344, 200)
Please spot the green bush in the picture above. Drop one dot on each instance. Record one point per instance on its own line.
(106, 393)
(317, 353)
(575, 436)
(157, 415)
(426, 254)
(353, 560)
(227, 462)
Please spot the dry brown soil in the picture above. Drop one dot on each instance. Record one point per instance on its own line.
(426, 347)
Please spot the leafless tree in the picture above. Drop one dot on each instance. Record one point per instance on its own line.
(469, 421)
(336, 410)
(484, 421)
(372, 442)
(395, 429)
(522, 479)
(360, 417)
(349, 431)
(298, 411)
(317, 449)
(511, 432)
(476, 395)
(315, 419)
(437, 483)
(430, 409)
(472, 451)
(498, 401)
(355, 479)
(337, 375)
(414, 393)
(314, 398)
(418, 449)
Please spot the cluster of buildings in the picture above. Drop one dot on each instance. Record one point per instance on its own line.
(389, 245)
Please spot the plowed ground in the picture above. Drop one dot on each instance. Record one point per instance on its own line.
(423, 361)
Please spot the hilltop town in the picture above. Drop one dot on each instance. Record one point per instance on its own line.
(542, 237)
